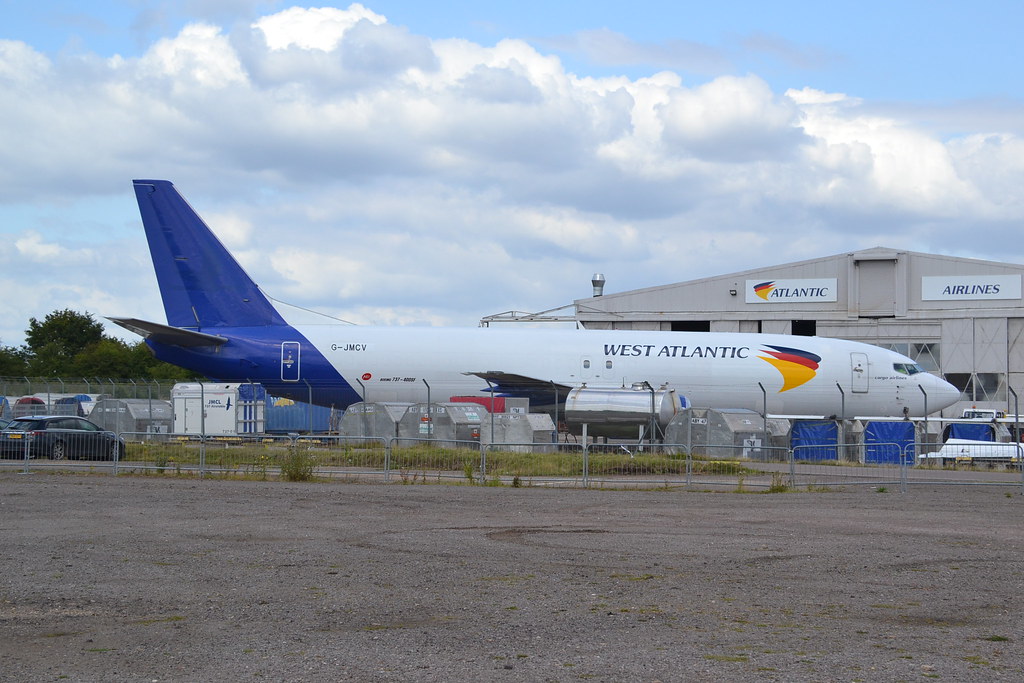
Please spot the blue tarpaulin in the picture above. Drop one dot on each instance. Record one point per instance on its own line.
(884, 442)
(285, 415)
(251, 392)
(973, 431)
(815, 440)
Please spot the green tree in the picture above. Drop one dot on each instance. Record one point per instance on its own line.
(51, 345)
(12, 362)
(143, 357)
(108, 357)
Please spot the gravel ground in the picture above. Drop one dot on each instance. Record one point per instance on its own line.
(167, 579)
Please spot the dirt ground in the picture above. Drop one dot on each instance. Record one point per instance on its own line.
(169, 579)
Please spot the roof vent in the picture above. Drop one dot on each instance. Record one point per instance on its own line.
(598, 282)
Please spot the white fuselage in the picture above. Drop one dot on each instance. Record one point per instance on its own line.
(811, 376)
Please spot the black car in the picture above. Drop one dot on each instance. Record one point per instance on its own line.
(58, 437)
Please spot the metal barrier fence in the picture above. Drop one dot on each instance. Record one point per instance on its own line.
(700, 466)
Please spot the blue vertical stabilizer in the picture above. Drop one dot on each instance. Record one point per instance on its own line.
(201, 284)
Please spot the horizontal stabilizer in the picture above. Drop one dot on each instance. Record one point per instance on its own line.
(165, 334)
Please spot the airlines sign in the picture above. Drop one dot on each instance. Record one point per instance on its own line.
(970, 287)
(805, 290)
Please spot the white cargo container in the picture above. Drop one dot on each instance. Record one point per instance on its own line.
(211, 408)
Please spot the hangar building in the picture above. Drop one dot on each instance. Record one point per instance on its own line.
(958, 317)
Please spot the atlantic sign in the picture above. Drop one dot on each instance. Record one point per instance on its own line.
(806, 290)
(970, 287)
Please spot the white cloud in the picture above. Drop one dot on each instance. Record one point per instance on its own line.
(20, 64)
(32, 247)
(198, 56)
(315, 28)
(876, 161)
(733, 119)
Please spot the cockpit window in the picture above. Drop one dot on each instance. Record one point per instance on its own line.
(907, 368)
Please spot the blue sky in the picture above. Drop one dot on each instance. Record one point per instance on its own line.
(523, 145)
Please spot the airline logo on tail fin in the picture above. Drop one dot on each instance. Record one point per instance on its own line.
(795, 365)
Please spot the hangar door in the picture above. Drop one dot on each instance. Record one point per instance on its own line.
(876, 288)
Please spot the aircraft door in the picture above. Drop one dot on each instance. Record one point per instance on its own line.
(290, 361)
(859, 372)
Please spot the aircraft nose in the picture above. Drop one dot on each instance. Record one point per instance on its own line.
(941, 394)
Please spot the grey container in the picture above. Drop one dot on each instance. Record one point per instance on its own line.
(728, 433)
(519, 432)
(373, 420)
(449, 425)
(138, 415)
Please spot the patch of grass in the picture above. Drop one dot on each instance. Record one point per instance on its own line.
(728, 658)
(997, 639)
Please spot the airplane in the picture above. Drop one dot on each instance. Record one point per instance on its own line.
(222, 326)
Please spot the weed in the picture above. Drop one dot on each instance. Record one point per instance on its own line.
(298, 466)
(881, 489)
(467, 471)
(997, 639)
(411, 477)
(160, 460)
(778, 484)
(258, 469)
